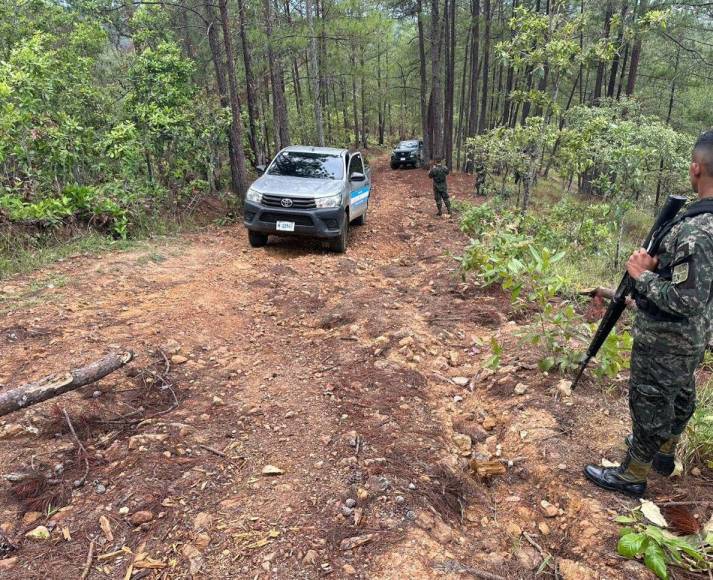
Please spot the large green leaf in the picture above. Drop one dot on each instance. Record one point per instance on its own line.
(631, 545)
(655, 560)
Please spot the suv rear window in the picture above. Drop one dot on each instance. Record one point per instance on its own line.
(408, 145)
(313, 165)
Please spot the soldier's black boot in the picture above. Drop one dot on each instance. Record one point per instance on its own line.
(629, 478)
(665, 460)
(448, 207)
(439, 213)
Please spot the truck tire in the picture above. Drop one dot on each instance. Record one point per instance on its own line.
(257, 239)
(394, 165)
(361, 220)
(339, 244)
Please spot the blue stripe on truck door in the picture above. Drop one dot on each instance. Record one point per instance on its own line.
(361, 195)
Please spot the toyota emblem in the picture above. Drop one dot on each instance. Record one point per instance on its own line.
(286, 202)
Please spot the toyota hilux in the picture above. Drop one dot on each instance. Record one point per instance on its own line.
(310, 192)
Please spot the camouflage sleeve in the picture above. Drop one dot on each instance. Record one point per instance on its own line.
(688, 291)
(430, 173)
(446, 171)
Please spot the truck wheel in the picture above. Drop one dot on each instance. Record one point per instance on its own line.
(339, 244)
(394, 165)
(361, 220)
(257, 239)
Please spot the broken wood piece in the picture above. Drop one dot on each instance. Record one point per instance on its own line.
(55, 385)
(88, 563)
(485, 469)
(607, 293)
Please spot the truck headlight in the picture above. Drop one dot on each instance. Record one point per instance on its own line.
(254, 196)
(331, 201)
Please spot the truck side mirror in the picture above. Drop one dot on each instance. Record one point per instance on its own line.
(260, 169)
(356, 176)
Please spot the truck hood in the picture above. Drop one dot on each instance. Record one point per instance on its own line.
(404, 151)
(297, 186)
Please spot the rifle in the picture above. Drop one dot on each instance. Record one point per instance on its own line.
(674, 203)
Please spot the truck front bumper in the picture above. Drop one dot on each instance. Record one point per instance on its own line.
(312, 223)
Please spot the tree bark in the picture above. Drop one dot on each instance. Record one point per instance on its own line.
(617, 57)
(55, 385)
(436, 89)
(635, 53)
(598, 84)
(450, 42)
(253, 112)
(237, 161)
(474, 62)
(482, 123)
(423, 89)
(279, 106)
(315, 77)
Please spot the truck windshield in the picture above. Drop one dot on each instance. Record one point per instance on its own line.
(408, 145)
(314, 165)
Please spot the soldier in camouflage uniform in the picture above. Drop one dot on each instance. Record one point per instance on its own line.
(480, 174)
(438, 174)
(674, 293)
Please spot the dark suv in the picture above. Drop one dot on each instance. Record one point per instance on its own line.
(407, 154)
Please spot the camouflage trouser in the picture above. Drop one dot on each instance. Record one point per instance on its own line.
(662, 396)
(441, 196)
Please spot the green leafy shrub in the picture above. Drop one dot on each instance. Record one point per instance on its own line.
(660, 548)
(503, 250)
(697, 443)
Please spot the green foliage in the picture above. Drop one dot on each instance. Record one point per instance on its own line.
(697, 442)
(521, 253)
(660, 549)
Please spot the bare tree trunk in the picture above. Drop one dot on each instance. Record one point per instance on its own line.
(55, 385)
(436, 89)
(619, 44)
(279, 106)
(598, 84)
(475, 57)
(450, 43)
(253, 112)
(636, 53)
(423, 88)
(315, 81)
(482, 125)
(364, 120)
(217, 59)
(463, 90)
(240, 177)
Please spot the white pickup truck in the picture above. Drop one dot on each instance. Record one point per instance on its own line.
(311, 192)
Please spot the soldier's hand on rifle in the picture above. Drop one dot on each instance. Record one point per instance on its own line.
(640, 262)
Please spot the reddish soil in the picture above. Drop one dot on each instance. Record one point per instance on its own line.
(336, 369)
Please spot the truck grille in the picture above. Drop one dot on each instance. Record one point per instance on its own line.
(297, 202)
(300, 220)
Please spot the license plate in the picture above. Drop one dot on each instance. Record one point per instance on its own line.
(403, 159)
(285, 226)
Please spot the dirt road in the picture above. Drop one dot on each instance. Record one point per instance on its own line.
(356, 377)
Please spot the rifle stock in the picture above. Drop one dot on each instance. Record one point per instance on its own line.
(673, 205)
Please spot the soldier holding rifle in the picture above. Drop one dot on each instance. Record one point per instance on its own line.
(674, 292)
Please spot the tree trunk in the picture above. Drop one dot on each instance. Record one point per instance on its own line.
(450, 42)
(279, 106)
(55, 385)
(364, 120)
(599, 83)
(636, 53)
(423, 89)
(237, 161)
(482, 126)
(253, 112)
(619, 44)
(474, 72)
(436, 89)
(315, 81)
(461, 109)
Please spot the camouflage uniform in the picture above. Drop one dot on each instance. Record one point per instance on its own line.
(480, 174)
(671, 331)
(440, 188)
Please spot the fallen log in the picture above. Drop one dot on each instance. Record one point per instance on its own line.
(55, 385)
